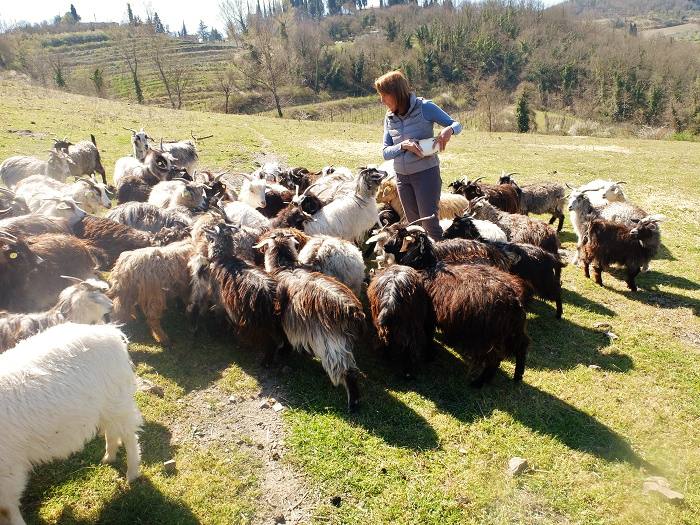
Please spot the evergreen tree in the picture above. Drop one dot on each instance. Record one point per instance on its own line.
(215, 36)
(183, 31)
(157, 24)
(130, 14)
(74, 14)
(202, 32)
(522, 113)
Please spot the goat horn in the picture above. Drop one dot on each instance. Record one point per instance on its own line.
(218, 177)
(420, 220)
(71, 278)
(8, 235)
(3, 212)
(477, 180)
(197, 139)
(569, 186)
(621, 182)
(509, 174)
(7, 192)
(129, 129)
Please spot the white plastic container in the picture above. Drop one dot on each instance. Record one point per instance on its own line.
(429, 146)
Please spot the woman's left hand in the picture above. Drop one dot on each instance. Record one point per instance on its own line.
(443, 138)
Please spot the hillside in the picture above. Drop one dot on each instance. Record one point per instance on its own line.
(632, 8)
(609, 395)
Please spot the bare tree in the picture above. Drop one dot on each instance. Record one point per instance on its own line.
(174, 75)
(308, 40)
(265, 60)
(226, 80)
(130, 50)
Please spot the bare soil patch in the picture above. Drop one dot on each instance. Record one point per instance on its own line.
(254, 423)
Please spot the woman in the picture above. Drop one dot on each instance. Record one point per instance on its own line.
(410, 119)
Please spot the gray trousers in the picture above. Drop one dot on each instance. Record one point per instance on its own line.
(420, 197)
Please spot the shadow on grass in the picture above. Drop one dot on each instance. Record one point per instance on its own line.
(664, 254)
(536, 409)
(570, 297)
(140, 501)
(649, 293)
(193, 362)
(567, 236)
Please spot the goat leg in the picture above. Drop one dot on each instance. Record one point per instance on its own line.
(586, 270)
(350, 381)
(560, 309)
(487, 374)
(631, 275)
(561, 222)
(157, 332)
(597, 271)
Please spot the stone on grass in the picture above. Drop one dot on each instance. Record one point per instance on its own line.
(170, 466)
(277, 407)
(661, 486)
(517, 466)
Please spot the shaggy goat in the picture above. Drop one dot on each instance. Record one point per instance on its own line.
(350, 216)
(606, 243)
(155, 167)
(335, 257)
(540, 197)
(84, 302)
(111, 237)
(93, 196)
(11, 205)
(57, 389)
(147, 278)
(403, 315)
(601, 192)
(28, 225)
(518, 228)
(466, 227)
(502, 196)
(178, 192)
(61, 255)
(14, 169)
(147, 217)
(319, 314)
(478, 308)
(139, 141)
(85, 157)
(17, 265)
(450, 204)
(246, 293)
(184, 153)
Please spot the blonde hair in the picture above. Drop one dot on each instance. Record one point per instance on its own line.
(395, 83)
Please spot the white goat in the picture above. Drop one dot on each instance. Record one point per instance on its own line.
(179, 192)
(242, 214)
(93, 196)
(61, 208)
(139, 141)
(83, 302)
(57, 389)
(14, 169)
(156, 166)
(601, 192)
(349, 217)
(337, 258)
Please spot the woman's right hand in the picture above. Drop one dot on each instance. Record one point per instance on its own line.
(413, 147)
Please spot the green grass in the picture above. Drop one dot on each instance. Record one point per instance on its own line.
(431, 450)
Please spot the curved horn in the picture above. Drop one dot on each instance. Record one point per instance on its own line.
(5, 191)
(218, 177)
(569, 186)
(3, 212)
(477, 180)
(71, 278)
(621, 182)
(8, 235)
(420, 220)
(129, 129)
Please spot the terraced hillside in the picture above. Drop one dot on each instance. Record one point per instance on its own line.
(202, 60)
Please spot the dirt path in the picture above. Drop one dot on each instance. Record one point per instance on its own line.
(255, 424)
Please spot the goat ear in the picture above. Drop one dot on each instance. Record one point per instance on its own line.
(63, 206)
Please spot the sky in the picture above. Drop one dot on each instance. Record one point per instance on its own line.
(171, 12)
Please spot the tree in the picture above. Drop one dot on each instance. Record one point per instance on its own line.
(130, 14)
(264, 62)
(202, 32)
(174, 75)
(59, 72)
(97, 79)
(157, 24)
(522, 113)
(130, 52)
(226, 80)
(74, 14)
(183, 31)
(215, 36)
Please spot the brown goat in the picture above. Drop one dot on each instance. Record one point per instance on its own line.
(503, 196)
(61, 255)
(606, 243)
(28, 225)
(111, 237)
(477, 307)
(147, 278)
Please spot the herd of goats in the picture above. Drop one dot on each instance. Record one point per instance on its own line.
(279, 258)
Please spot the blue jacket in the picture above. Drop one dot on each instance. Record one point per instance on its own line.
(416, 124)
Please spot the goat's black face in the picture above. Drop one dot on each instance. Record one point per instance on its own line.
(461, 228)
(505, 179)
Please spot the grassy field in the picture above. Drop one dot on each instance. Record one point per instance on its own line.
(428, 451)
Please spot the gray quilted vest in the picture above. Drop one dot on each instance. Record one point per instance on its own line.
(411, 126)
